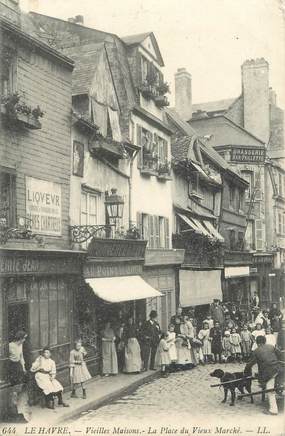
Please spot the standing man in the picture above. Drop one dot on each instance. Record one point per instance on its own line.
(267, 359)
(150, 339)
(217, 313)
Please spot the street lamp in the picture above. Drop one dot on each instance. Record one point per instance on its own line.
(114, 204)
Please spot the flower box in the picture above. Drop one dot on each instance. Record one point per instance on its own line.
(161, 101)
(28, 121)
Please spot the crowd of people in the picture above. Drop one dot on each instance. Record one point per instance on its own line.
(226, 334)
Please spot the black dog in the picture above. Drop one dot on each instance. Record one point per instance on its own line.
(231, 377)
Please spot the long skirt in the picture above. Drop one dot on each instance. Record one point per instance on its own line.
(162, 358)
(133, 362)
(15, 373)
(235, 349)
(109, 356)
(47, 384)
(173, 352)
(183, 353)
(206, 347)
(80, 373)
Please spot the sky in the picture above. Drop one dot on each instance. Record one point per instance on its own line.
(210, 38)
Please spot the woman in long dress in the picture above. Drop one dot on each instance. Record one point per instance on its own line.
(133, 361)
(109, 354)
(183, 345)
(45, 373)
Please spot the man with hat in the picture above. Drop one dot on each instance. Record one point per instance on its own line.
(150, 339)
(217, 312)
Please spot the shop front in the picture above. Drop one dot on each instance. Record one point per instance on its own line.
(37, 291)
(263, 279)
(114, 290)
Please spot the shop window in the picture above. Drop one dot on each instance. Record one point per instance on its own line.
(7, 199)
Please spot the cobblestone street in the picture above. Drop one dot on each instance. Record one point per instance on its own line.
(183, 398)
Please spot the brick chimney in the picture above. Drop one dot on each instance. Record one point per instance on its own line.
(78, 19)
(10, 10)
(255, 89)
(183, 94)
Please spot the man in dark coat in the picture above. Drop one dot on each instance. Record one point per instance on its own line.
(267, 359)
(150, 337)
(217, 312)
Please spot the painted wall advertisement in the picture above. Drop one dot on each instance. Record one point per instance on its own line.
(43, 206)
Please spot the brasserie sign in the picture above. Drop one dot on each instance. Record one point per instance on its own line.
(248, 154)
(43, 206)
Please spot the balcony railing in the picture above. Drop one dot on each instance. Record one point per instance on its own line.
(200, 251)
(80, 234)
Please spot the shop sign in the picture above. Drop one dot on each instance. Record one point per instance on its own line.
(21, 265)
(43, 206)
(92, 270)
(248, 154)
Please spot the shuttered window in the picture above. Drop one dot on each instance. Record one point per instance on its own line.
(257, 186)
(258, 234)
(139, 142)
(154, 229)
(151, 239)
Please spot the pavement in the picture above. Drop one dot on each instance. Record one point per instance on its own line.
(185, 399)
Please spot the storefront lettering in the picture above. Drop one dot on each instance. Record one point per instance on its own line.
(246, 154)
(93, 270)
(18, 265)
(32, 265)
(43, 206)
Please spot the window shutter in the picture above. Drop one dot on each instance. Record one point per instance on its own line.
(151, 231)
(139, 142)
(258, 235)
(139, 224)
(145, 223)
(257, 186)
(165, 150)
(166, 228)
(156, 231)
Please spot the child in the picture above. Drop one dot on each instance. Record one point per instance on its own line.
(171, 342)
(204, 336)
(209, 320)
(78, 369)
(163, 358)
(259, 331)
(235, 342)
(226, 344)
(216, 336)
(246, 341)
(270, 337)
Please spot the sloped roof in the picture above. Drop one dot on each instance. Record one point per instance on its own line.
(214, 106)
(86, 58)
(139, 38)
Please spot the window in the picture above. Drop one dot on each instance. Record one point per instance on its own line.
(8, 72)
(232, 239)
(144, 68)
(154, 150)
(240, 200)
(248, 176)
(279, 223)
(155, 229)
(240, 241)
(7, 199)
(232, 197)
(280, 185)
(249, 236)
(259, 235)
(89, 209)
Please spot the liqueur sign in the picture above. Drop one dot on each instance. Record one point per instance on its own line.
(248, 154)
(43, 206)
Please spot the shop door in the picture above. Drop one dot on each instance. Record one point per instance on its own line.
(18, 319)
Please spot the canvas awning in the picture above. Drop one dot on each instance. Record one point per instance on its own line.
(199, 287)
(190, 223)
(237, 271)
(119, 289)
(201, 227)
(213, 231)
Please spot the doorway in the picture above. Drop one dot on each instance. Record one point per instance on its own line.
(18, 319)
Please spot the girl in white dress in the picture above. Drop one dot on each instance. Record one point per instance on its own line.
(162, 355)
(78, 369)
(259, 331)
(45, 372)
(171, 342)
(204, 336)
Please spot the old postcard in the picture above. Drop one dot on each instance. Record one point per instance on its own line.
(142, 217)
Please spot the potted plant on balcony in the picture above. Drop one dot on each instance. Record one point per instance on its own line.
(16, 109)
